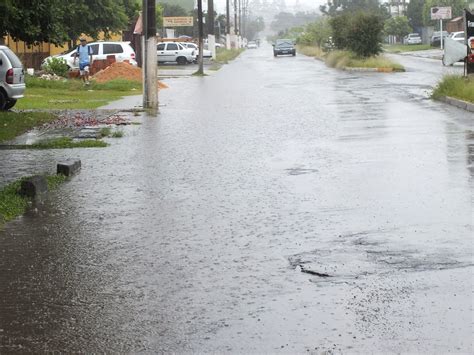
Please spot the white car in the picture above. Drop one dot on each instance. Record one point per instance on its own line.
(412, 38)
(174, 52)
(252, 45)
(458, 37)
(100, 50)
(205, 52)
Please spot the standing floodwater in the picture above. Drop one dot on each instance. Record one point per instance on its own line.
(276, 206)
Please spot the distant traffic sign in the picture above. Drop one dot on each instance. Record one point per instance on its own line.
(441, 13)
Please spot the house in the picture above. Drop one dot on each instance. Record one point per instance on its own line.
(455, 25)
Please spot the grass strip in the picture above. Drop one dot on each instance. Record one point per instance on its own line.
(401, 48)
(66, 143)
(13, 204)
(311, 51)
(12, 124)
(455, 86)
(54, 181)
(60, 143)
(224, 56)
(342, 59)
(73, 94)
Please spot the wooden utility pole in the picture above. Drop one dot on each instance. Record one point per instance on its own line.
(150, 90)
(240, 18)
(236, 27)
(210, 18)
(227, 17)
(200, 38)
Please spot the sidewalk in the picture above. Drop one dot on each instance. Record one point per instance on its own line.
(429, 54)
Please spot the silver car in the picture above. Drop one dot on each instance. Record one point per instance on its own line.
(12, 78)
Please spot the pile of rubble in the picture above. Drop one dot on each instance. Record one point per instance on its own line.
(85, 119)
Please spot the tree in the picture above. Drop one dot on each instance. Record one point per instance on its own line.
(398, 26)
(132, 9)
(415, 13)
(316, 33)
(33, 21)
(334, 7)
(360, 33)
(93, 17)
(283, 21)
(253, 26)
(57, 21)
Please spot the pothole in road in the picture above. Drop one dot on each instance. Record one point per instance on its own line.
(348, 259)
(300, 171)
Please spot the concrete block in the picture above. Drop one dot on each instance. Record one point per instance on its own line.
(34, 187)
(69, 167)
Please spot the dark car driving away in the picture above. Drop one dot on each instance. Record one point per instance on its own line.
(284, 46)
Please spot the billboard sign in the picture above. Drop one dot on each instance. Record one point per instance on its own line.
(469, 24)
(441, 13)
(178, 21)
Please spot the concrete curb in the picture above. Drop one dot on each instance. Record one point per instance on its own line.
(373, 70)
(463, 105)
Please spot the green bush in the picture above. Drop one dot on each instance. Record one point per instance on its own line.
(56, 66)
(360, 33)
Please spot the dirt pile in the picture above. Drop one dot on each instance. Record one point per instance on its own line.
(122, 70)
(119, 70)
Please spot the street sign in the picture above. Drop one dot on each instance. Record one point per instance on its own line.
(441, 13)
(178, 21)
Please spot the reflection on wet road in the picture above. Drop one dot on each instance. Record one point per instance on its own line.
(190, 234)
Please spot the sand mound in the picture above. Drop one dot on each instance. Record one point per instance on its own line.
(119, 70)
(122, 70)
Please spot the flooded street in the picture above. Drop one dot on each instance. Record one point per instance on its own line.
(276, 206)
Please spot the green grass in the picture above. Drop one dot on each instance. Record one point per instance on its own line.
(455, 86)
(13, 124)
(343, 59)
(224, 56)
(400, 48)
(61, 143)
(55, 180)
(13, 205)
(105, 131)
(117, 134)
(66, 143)
(311, 51)
(72, 94)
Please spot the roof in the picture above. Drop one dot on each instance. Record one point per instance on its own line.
(456, 19)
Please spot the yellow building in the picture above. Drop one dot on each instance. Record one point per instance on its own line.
(33, 55)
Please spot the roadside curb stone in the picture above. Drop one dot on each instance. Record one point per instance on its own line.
(68, 167)
(464, 105)
(34, 187)
(373, 70)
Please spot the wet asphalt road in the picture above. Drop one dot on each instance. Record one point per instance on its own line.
(190, 234)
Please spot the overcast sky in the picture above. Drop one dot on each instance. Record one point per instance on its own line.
(309, 4)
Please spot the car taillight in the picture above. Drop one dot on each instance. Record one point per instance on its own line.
(132, 55)
(192, 53)
(9, 76)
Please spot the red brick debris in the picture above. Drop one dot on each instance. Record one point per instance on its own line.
(85, 119)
